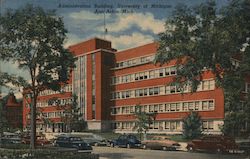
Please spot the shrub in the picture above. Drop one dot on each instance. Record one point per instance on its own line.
(44, 154)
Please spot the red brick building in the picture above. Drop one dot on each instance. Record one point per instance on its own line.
(109, 84)
(14, 111)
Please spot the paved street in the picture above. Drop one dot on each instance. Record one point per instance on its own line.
(123, 153)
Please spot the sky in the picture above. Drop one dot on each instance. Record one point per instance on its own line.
(129, 23)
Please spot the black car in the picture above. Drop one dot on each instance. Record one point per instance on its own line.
(126, 141)
(245, 146)
(72, 142)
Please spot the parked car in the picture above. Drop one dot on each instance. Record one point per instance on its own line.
(10, 138)
(160, 143)
(216, 143)
(126, 141)
(72, 142)
(92, 139)
(244, 146)
(40, 140)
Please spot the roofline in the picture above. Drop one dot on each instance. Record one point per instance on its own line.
(136, 47)
(87, 40)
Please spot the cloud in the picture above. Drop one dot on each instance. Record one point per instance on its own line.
(128, 41)
(86, 15)
(72, 39)
(146, 22)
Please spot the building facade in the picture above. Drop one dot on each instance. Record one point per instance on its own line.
(14, 111)
(109, 84)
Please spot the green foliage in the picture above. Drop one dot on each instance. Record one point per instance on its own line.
(143, 120)
(33, 38)
(205, 38)
(72, 117)
(44, 154)
(192, 126)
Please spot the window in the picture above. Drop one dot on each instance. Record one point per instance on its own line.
(211, 105)
(173, 125)
(167, 107)
(197, 106)
(167, 90)
(140, 92)
(151, 91)
(152, 74)
(132, 109)
(247, 87)
(160, 107)
(173, 70)
(128, 94)
(185, 106)
(156, 125)
(123, 95)
(156, 108)
(207, 125)
(118, 95)
(143, 59)
(145, 92)
(207, 85)
(161, 72)
(178, 106)
(172, 89)
(204, 105)
(167, 71)
(151, 108)
(141, 75)
(190, 105)
(136, 93)
(137, 76)
(172, 107)
(156, 90)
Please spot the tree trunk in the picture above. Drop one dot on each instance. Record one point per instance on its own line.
(33, 122)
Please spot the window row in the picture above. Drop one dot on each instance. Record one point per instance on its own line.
(43, 115)
(205, 105)
(161, 125)
(134, 62)
(55, 102)
(161, 90)
(67, 88)
(57, 114)
(162, 72)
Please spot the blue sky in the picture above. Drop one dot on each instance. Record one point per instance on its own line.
(84, 20)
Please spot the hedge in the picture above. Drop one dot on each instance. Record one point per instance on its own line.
(44, 154)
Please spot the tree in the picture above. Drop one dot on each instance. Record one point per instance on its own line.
(33, 38)
(192, 126)
(72, 117)
(204, 38)
(3, 121)
(143, 120)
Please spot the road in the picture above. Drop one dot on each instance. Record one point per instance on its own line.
(124, 153)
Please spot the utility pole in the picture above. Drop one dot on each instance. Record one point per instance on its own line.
(104, 25)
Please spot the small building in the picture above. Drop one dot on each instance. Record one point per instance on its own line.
(14, 111)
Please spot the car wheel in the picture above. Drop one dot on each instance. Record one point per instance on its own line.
(112, 145)
(128, 146)
(144, 147)
(190, 149)
(96, 144)
(164, 148)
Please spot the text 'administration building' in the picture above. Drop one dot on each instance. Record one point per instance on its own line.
(109, 84)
